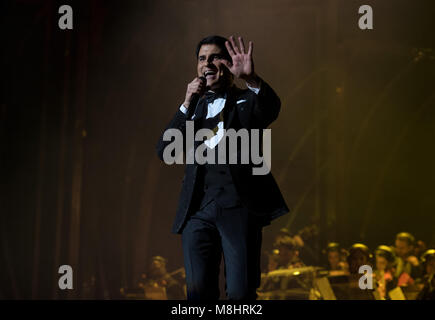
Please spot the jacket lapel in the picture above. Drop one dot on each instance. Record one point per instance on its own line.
(199, 112)
(230, 107)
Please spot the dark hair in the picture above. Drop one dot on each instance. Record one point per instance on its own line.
(284, 232)
(406, 236)
(287, 242)
(361, 248)
(428, 255)
(386, 252)
(332, 247)
(160, 259)
(218, 41)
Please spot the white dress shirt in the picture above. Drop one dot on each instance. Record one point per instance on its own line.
(214, 108)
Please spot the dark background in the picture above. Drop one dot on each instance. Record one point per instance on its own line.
(81, 112)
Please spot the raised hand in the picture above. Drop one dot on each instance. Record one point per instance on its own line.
(243, 64)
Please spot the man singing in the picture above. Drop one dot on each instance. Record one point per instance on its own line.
(224, 206)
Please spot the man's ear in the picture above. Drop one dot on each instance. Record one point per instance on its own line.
(228, 75)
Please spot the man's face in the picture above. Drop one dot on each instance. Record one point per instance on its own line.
(210, 65)
(357, 260)
(403, 249)
(381, 263)
(286, 255)
(333, 258)
(430, 266)
(157, 268)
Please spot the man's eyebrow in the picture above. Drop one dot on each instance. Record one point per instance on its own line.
(219, 55)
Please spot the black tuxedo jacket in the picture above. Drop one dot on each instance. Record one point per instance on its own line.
(259, 193)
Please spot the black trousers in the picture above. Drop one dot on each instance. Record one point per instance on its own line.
(211, 232)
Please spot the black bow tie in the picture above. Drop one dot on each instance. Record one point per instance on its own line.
(210, 96)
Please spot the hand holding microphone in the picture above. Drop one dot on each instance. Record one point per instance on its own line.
(195, 90)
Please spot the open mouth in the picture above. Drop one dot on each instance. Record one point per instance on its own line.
(209, 73)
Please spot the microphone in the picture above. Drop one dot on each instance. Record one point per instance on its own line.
(203, 78)
(194, 101)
